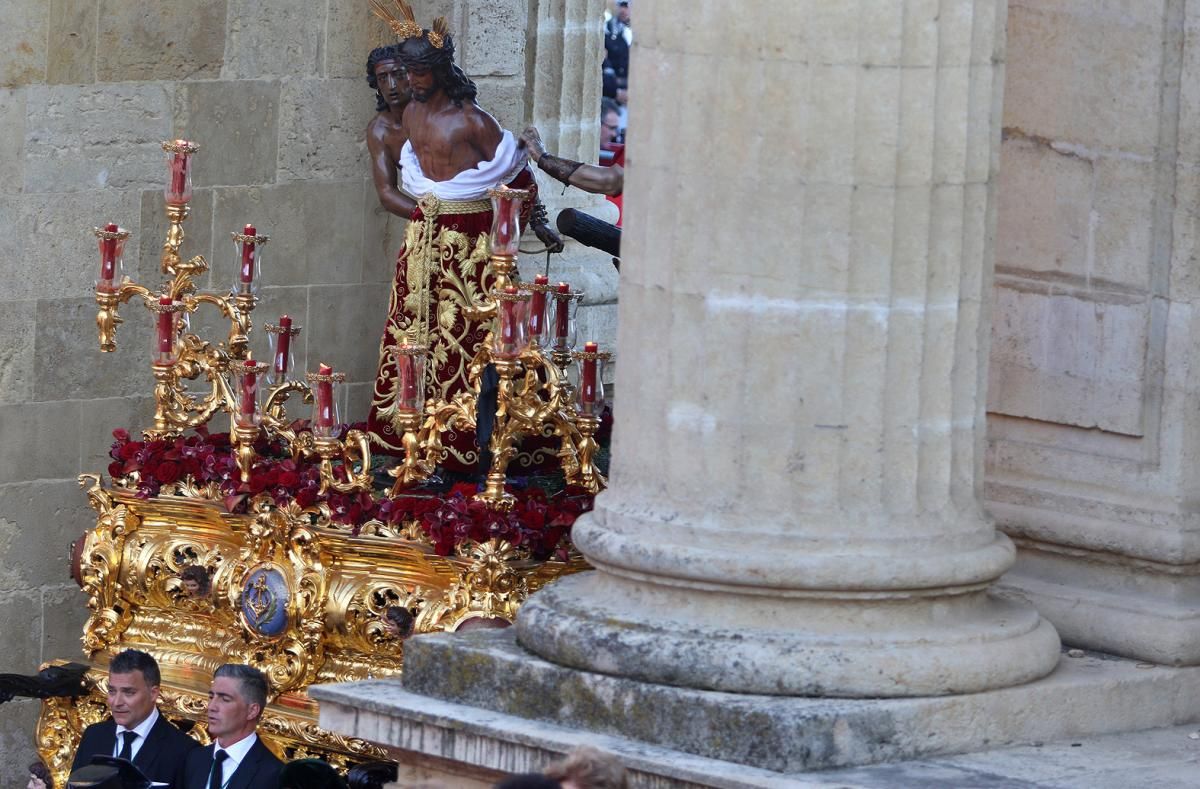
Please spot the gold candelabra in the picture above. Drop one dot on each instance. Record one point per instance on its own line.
(234, 378)
(529, 347)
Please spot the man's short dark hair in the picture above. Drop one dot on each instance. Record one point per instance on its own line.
(136, 660)
(251, 682)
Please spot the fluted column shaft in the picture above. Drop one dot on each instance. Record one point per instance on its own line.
(794, 503)
(565, 52)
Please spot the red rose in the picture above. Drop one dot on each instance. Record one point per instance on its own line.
(166, 472)
(121, 434)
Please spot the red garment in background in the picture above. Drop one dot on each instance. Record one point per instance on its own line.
(618, 158)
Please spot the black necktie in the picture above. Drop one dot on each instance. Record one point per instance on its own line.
(214, 780)
(127, 746)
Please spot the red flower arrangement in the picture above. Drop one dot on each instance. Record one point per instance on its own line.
(538, 521)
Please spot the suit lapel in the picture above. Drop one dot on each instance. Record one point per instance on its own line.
(244, 774)
(199, 776)
(108, 743)
(146, 755)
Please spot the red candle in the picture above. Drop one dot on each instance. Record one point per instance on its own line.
(325, 397)
(249, 389)
(587, 387)
(283, 345)
(179, 168)
(537, 306)
(108, 257)
(508, 323)
(166, 326)
(408, 380)
(562, 307)
(247, 273)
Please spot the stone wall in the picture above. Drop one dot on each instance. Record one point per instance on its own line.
(1093, 396)
(274, 93)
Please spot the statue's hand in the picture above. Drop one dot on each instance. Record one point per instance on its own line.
(539, 220)
(547, 235)
(532, 139)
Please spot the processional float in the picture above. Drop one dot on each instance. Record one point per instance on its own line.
(309, 561)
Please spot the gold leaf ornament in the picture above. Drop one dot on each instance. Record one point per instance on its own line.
(402, 21)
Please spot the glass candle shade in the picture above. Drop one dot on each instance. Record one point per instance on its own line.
(537, 309)
(168, 314)
(283, 361)
(111, 240)
(560, 317)
(178, 190)
(506, 220)
(589, 379)
(510, 337)
(248, 246)
(410, 378)
(248, 379)
(328, 391)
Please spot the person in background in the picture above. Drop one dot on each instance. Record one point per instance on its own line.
(618, 38)
(136, 731)
(610, 125)
(588, 768)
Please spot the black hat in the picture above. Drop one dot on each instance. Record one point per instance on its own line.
(108, 772)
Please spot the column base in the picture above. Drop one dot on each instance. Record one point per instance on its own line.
(480, 700)
(923, 643)
(1133, 608)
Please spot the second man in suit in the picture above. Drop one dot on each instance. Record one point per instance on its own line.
(237, 759)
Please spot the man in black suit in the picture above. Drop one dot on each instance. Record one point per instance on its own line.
(237, 759)
(136, 731)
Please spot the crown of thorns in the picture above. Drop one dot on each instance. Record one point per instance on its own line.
(404, 23)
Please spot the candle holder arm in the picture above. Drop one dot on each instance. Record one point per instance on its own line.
(176, 409)
(108, 316)
(355, 449)
(423, 448)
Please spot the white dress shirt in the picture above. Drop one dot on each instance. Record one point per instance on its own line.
(142, 730)
(234, 755)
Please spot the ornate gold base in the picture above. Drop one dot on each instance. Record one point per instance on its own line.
(292, 593)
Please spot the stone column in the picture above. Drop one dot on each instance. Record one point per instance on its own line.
(794, 503)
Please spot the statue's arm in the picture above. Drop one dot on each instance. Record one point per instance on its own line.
(588, 177)
(601, 180)
(383, 172)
